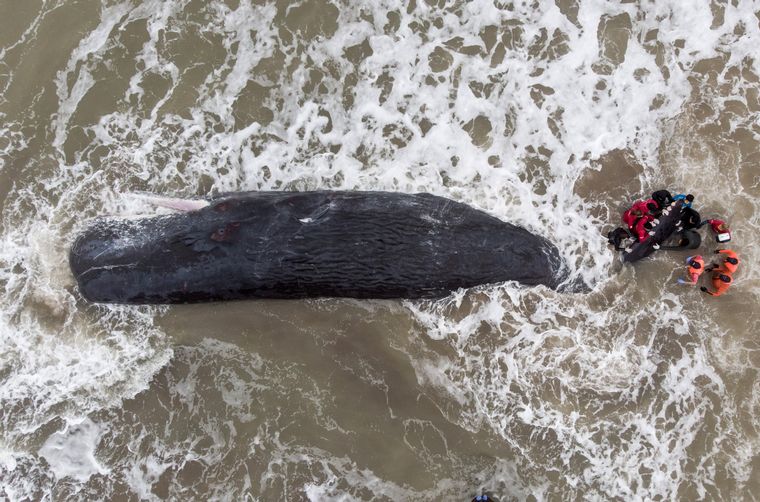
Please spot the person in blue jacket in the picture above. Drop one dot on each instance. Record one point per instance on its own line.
(687, 199)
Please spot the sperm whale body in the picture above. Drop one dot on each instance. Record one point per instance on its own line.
(307, 244)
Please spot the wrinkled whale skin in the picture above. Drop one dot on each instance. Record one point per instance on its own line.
(307, 244)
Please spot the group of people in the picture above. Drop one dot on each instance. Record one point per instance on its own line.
(723, 271)
(643, 215)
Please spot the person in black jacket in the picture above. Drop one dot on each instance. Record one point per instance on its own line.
(690, 218)
(663, 198)
(618, 237)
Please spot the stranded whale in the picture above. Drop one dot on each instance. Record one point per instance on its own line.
(307, 244)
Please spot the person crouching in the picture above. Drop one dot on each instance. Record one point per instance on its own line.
(695, 265)
(721, 283)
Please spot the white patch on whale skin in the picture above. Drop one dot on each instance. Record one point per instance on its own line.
(176, 204)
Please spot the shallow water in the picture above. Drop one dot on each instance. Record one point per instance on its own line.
(548, 115)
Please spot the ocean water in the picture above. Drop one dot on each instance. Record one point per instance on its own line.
(549, 115)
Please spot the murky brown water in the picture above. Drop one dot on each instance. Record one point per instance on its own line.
(552, 116)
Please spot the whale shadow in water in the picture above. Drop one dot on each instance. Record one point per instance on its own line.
(249, 245)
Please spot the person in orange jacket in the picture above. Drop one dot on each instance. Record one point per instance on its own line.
(729, 264)
(721, 283)
(695, 265)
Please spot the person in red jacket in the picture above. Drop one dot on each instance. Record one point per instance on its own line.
(640, 209)
(719, 228)
(643, 226)
(654, 208)
(630, 217)
(648, 206)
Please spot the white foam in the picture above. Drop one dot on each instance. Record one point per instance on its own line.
(71, 451)
(144, 474)
(70, 96)
(512, 345)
